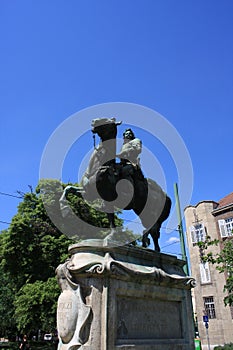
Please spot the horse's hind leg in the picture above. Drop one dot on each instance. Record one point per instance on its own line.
(155, 234)
(145, 239)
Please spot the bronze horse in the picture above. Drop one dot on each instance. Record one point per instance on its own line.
(103, 176)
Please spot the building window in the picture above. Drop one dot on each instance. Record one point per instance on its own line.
(205, 273)
(198, 233)
(209, 307)
(226, 227)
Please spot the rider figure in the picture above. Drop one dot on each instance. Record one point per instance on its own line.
(129, 156)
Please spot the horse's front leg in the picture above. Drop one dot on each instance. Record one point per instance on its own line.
(111, 220)
(65, 208)
(113, 235)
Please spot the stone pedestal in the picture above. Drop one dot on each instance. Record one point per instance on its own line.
(121, 298)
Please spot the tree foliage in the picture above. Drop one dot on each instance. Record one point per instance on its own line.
(7, 293)
(223, 262)
(32, 247)
(30, 251)
(35, 306)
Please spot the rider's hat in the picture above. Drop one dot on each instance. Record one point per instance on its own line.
(103, 121)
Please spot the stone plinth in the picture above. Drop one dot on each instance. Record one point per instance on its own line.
(121, 298)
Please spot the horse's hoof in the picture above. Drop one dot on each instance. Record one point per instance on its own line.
(145, 242)
(112, 236)
(133, 243)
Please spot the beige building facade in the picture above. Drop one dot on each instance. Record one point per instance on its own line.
(214, 219)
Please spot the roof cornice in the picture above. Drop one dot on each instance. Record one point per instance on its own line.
(195, 206)
(221, 209)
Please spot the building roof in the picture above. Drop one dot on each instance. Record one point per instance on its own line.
(224, 202)
(215, 204)
(227, 200)
(224, 205)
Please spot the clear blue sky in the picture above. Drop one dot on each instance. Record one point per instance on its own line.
(59, 57)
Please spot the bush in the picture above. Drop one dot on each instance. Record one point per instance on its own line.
(33, 346)
(9, 345)
(224, 347)
(42, 345)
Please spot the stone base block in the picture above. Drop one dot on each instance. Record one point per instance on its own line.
(123, 298)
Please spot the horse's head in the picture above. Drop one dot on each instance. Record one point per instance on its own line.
(105, 128)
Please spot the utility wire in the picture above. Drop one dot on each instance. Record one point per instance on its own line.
(170, 244)
(4, 222)
(138, 222)
(10, 195)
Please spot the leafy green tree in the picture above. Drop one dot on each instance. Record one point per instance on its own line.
(7, 292)
(33, 247)
(35, 306)
(223, 262)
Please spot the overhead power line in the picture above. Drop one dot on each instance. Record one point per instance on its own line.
(163, 227)
(10, 195)
(4, 222)
(170, 244)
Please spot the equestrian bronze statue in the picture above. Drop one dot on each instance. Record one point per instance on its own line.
(119, 181)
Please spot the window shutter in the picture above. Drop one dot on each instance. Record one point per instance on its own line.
(205, 272)
(204, 233)
(193, 234)
(222, 228)
(200, 233)
(202, 273)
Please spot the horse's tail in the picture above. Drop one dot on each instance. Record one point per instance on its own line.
(157, 206)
